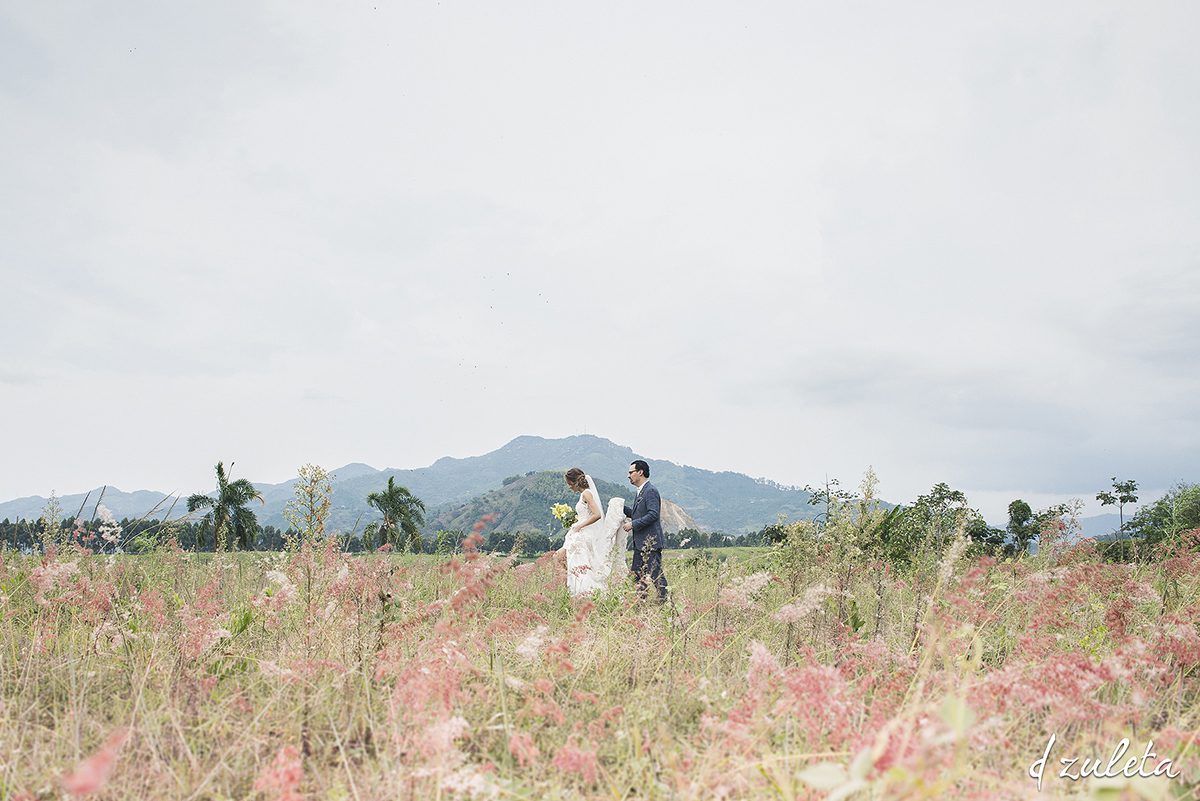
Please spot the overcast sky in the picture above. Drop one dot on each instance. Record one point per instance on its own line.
(958, 242)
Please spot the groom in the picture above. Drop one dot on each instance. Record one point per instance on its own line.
(647, 531)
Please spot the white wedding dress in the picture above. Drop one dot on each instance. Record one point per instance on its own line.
(594, 552)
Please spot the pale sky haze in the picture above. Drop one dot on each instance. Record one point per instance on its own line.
(955, 241)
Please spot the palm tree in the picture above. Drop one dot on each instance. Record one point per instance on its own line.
(228, 512)
(402, 512)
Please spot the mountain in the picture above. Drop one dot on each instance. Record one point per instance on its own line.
(1101, 525)
(1096, 527)
(454, 489)
(723, 501)
(523, 503)
(674, 518)
(132, 505)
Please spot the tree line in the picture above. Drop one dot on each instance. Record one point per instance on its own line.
(930, 522)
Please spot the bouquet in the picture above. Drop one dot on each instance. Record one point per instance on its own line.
(564, 513)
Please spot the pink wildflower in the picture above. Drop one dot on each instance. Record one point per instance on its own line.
(798, 611)
(1178, 640)
(763, 665)
(584, 610)
(570, 759)
(598, 726)
(532, 644)
(822, 703)
(744, 591)
(200, 631)
(50, 575)
(284, 587)
(154, 607)
(283, 776)
(471, 543)
(110, 529)
(716, 640)
(547, 708)
(469, 782)
(523, 748)
(439, 739)
(92, 774)
(513, 620)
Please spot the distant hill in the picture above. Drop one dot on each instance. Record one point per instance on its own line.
(133, 505)
(1106, 525)
(724, 501)
(522, 503)
(1099, 527)
(456, 489)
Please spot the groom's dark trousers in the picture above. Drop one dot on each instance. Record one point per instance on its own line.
(648, 540)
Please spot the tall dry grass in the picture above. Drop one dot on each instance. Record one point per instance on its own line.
(326, 676)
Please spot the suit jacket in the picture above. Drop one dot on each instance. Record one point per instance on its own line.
(647, 523)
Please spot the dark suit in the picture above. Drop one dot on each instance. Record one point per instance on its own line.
(648, 539)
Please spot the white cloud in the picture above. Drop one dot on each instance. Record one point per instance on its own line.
(955, 243)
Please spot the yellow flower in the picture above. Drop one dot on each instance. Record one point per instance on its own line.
(564, 513)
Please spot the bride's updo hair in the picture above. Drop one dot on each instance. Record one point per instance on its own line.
(576, 478)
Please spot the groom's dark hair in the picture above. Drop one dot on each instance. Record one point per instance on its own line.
(638, 464)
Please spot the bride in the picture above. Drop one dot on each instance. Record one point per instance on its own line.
(594, 545)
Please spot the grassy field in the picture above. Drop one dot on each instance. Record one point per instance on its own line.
(739, 553)
(321, 675)
(748, 554)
